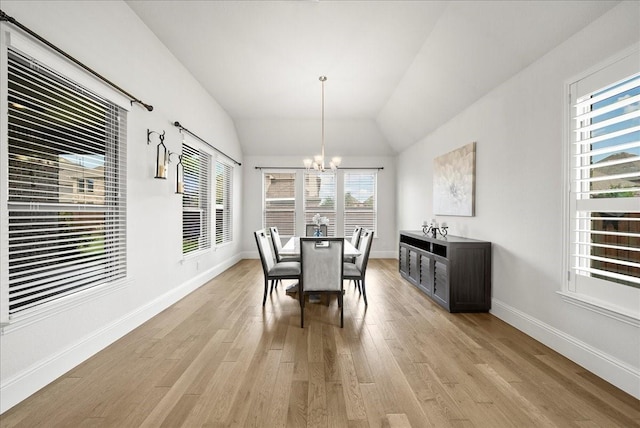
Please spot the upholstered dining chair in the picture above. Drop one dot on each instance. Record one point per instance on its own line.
(277, 247)
(321, 263)
(272, 269)
(356, 271)
(311, 228)
(355, 241)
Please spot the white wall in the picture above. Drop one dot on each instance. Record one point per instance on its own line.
(111, 39)
(518, 128)
(385, 241)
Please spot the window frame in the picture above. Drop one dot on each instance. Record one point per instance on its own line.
(9, 38)
(294, 226)
(226, 207)
(205, 198)
(307, 215)
(608, 298)
(347, 230)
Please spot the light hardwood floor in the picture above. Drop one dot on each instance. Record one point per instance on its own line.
(218, 358)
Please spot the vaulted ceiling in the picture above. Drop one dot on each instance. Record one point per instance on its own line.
(396, 70)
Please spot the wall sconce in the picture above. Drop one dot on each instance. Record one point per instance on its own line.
(180, 176)
(433, 229)
(162, 156)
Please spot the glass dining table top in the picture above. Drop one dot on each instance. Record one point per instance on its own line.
(292, 248)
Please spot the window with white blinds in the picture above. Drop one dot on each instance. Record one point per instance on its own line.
(66, 200)
(224, 174)
(359, 201)
(279, 202)
(196, 199)
(320, 198)
(606, 183)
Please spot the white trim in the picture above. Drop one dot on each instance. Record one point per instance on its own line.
(619, 373)
(46, 310)
(602, 308)
(591, 293)
(30, 380)
(4, 178)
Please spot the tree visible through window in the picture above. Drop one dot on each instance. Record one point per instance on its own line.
(66, 187)
(196, 205)
(320, 198)
(224, 173)
(359, 201)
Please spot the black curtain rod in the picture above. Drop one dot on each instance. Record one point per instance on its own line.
(9, 19)
(302, 167)
(182, 128)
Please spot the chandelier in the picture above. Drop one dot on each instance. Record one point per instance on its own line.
(318, 161)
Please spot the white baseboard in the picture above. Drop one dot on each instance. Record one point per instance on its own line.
(614, 371)
(32, 379)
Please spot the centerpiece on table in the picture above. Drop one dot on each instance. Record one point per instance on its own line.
(319, 220)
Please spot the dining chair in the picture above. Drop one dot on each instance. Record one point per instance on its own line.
(272, 269)
(355, 241)
(311, 228)
(321, 263)
(356, 271)
(277, 247)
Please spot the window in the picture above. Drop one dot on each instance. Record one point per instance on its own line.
(224, 172)
(359, 201)
(66, 200)
(279, 204)
(605, 186)
(196, 211)
(320, 198)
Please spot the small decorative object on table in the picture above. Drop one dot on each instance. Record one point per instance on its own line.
(319, 221)
(433, 229)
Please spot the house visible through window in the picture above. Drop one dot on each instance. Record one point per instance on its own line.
(279, 203)
(359, 201)
(605, 186)
(196, 199)
(66, 232)
(320, 198)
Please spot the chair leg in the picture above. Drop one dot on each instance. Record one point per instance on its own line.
(273, 282)
(364, 293)
(266, 287)
(359, 287)
(302, 314)
(340, 302)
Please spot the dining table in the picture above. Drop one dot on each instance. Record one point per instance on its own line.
(292, 248)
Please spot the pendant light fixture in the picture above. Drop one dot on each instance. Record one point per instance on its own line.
(318, 161)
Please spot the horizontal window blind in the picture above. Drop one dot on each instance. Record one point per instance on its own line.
(224, 175)
(606, 183)
(196, 205)
(359, 201)
(320, 198)
(66, 186)
(279, 204)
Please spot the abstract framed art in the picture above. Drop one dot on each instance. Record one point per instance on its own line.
(454, 182)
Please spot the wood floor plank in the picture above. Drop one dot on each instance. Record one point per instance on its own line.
(218, 358)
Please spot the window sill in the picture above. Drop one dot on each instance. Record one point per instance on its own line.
(47, 310)
(601, 308)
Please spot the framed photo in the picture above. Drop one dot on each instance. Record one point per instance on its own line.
(454, 182)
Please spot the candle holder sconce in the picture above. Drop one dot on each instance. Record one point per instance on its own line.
(162, 155)
(179, 176)
(433, 229)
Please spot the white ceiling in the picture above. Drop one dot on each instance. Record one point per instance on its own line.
(396, 69)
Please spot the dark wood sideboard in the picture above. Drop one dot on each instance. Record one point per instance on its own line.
(454, 271)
